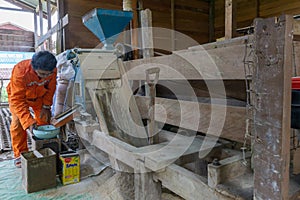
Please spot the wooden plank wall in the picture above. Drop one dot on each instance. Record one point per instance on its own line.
(247, 10)
(16, 40)
(76, 34)
(190, 18)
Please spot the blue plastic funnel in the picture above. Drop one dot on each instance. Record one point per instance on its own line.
(107, 24)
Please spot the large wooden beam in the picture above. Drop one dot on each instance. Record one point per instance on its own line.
(153, 157)
(187, 184)
(186, 115)
(243, 40)
(196, 63)
(272, 89)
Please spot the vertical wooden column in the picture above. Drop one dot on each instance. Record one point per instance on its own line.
(36, 37)
(272, 87)
(60, 40)
(173, 42)
(41, 20)
(145, 187)
(230, 18)
(134, 24)
(49, 23)
(211, 21)
(257, 5)
(147, 34)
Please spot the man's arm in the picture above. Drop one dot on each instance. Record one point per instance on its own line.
(18, 99)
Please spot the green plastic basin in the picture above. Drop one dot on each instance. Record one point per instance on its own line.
(46, 132)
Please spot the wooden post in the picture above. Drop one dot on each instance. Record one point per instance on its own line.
(134, 33)
(147, 35)
(41, 20)
(230, 18)
(60, 44)
(35, 31)
(173, 43)
(272, 87)
(257, 4)
(145, 187)
(49, 23)
(211, 20)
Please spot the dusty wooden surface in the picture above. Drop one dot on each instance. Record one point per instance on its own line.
(227, 169)
(272, 85)
(186, 114)
(193, 64)
(191, 186)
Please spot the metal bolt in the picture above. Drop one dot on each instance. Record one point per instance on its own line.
(216, 162)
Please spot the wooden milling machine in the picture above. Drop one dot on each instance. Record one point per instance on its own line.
(193, 147)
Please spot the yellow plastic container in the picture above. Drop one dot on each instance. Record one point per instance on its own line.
(70, 163)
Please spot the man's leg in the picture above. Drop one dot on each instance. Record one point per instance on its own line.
(18, 136)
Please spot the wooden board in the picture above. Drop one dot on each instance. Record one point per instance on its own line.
(272, 89)
(191, 186)
(151, 157)
(185, 114)
(194, 64)
(77, 35)
(229, 168)
(117, 113)
(187, 90)
(177, 147)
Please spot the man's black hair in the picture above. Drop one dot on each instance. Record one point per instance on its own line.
(43, 60)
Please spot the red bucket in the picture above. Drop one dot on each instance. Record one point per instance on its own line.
(296, 83)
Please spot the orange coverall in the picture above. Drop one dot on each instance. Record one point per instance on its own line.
(26, 90)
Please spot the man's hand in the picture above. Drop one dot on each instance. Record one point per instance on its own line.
(45, 114)
(31, 127)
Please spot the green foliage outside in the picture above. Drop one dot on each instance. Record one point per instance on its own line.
(3, 95)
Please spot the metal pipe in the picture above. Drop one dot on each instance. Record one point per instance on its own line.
(79, 50)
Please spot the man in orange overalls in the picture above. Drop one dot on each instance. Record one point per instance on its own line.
(32, 84)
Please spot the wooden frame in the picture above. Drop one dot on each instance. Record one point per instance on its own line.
(270, 83)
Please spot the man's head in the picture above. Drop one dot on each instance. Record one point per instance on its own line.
(43, 63)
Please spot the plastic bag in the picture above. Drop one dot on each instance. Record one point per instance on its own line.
(66, 71)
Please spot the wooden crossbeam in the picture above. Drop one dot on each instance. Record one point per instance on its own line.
(173, 111)
(152, 157)
(187, 184)
(196, 63)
